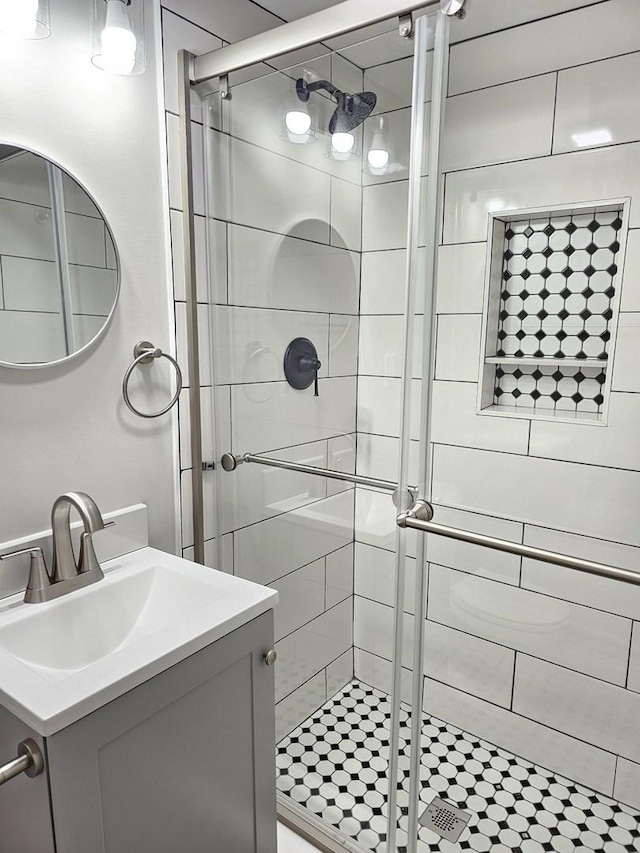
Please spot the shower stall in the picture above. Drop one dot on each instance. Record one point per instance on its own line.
(413, 409)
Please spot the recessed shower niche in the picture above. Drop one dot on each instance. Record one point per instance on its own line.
(551, 311)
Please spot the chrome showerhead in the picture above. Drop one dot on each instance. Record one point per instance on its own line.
(351, 111)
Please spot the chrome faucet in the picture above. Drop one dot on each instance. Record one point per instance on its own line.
(66, 575)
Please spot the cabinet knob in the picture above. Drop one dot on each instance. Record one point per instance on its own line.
(271, 657)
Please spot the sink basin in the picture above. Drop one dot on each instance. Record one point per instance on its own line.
(65, 658)
(79, 630)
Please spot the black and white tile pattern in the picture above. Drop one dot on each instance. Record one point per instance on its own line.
(557, 292)
(558, 286)
(335, 765)
(546, 386)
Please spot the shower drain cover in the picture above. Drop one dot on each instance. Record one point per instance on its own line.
(444, 819)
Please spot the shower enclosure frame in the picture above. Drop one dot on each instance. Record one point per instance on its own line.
(344, 18)
(347, 17)
(335, 21)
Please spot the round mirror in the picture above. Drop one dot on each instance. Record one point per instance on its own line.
(59, 273)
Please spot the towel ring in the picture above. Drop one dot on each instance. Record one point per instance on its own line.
(145, 352)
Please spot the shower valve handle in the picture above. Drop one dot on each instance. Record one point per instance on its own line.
(301, 364)
(307, 364)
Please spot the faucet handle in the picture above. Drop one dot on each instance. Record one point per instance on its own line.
(87, 560)
(39, 578)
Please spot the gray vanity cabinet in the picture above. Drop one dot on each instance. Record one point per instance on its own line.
(184, 763)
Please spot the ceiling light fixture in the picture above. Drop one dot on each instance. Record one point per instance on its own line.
(118, 36)
(24, 19)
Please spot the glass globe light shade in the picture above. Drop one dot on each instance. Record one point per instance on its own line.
(298, 122)
(343, 142)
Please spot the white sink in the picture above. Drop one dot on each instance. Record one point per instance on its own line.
(80, 629)
(65, 658)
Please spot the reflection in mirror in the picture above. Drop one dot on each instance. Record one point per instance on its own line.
(58, 263)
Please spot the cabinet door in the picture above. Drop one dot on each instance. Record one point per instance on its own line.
(25, 817)
(185, 762)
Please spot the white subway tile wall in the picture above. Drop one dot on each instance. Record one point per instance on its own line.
(384, 216)
(579, 638)
(330, 273)
(258, 492)
(528, 656)
(513, 54)
(455, 420)
(597, 712)
(283, 258)
(498, 124)
(585, 103)
(627, 785)
(461, 278)
(545, 492)
(513, 647)
(542, 744)
(458, 347)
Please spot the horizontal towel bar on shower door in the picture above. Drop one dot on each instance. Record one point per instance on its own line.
(420, 515)
(230, 463)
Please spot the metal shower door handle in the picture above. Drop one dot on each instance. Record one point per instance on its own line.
(420, 515)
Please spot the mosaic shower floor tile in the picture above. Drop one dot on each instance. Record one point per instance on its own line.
(335, 765)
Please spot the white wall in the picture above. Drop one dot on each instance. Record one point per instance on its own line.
(66, 427)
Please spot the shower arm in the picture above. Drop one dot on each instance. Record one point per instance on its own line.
(304, 89)
(351, 111)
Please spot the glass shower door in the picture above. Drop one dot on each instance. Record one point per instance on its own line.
(309, 172)
(526, 662)
(414, 443)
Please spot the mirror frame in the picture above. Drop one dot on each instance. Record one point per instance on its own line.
(45, 364)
